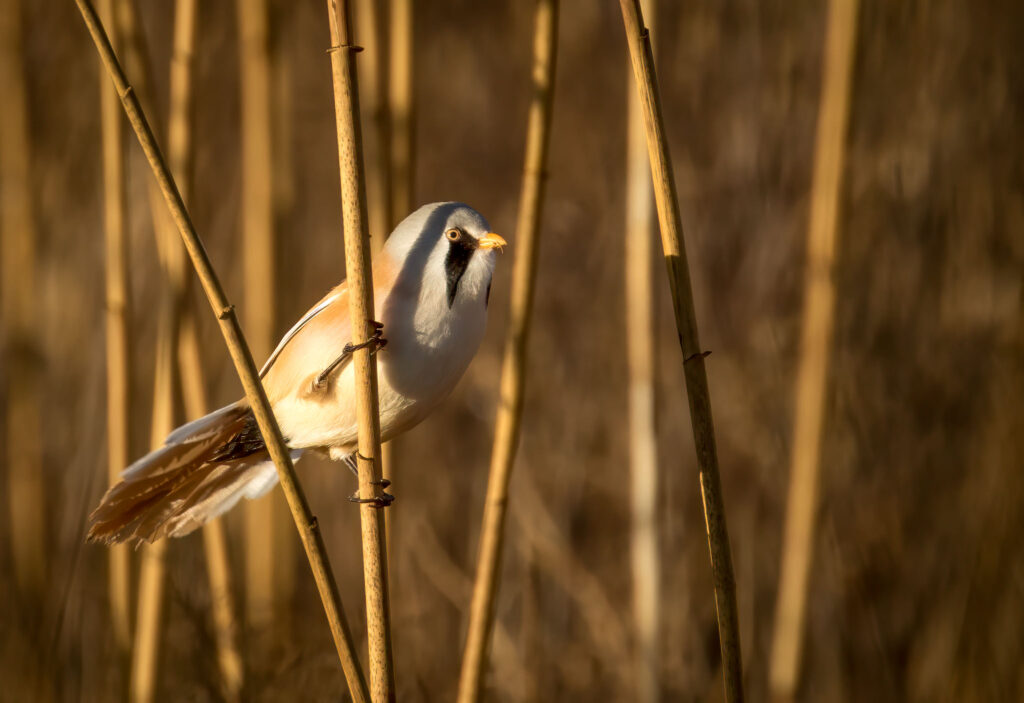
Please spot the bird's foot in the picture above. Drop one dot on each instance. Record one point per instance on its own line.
(381, 501)
(374, 344)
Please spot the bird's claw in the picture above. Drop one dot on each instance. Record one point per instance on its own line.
(375, 343)
(381, 501)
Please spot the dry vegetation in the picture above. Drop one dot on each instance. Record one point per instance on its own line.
(916, 585)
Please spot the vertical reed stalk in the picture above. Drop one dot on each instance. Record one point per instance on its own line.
(20, 322)
(222, 601)
(400, 148)
(638, 38)
(142, 674)
(815, 343)
(401, 108)
(152, 566)
(371, 24)
(262, 599)
(118, 338)
(513, 374)
(305, 521)
(181, 153)
(643, 444)
(139, 66)
(360, 288)
(146, 654)
(283, 179)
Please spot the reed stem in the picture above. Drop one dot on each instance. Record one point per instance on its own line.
(263, 601)
(167, 388)
(19, 320)
(218, 568)
(513, 374)
(117, 334)
(181, 155)
(816, 341)
(642, 58)
(643, 444)
(401, 108)
(306, 523)
(152, 563)
(361, 311)
(371, 23)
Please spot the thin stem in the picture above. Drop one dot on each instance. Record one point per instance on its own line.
(257, 216)
(117, 335)
(513, 375)
(167, 389)
(22, 448)
(815, 343)
(401, 108)
(360, 288)
(218, 568)
(305, 521)
(152, 564)
(374, 64)
(181, 153)
(371, 24)
(638, 38)
(643, 445)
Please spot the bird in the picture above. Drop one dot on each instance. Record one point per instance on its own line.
(432, 284)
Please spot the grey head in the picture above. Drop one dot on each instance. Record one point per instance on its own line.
(449, 245)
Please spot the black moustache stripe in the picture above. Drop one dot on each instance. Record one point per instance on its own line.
(456, 263)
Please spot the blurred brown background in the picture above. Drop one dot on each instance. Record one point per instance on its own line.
(917, 584)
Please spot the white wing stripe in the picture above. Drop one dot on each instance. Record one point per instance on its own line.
(295, 330)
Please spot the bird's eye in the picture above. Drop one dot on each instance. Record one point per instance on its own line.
(453, 235)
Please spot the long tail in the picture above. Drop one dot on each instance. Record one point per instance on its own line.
(203, 470)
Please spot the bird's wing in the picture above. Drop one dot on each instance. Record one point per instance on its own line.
(319, 336)
(310, 314)
(313, 343)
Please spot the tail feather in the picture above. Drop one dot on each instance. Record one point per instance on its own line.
(202, 470)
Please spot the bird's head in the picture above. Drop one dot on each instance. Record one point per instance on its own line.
(452, 247)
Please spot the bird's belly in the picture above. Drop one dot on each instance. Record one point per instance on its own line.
(412, 379)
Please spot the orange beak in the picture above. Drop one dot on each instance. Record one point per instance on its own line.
(491, 241)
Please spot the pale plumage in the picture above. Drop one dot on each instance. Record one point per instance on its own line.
(431, 285)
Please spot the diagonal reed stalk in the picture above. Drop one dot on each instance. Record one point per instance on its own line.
(513, 374)
(643, 443)
(305, 522)
(264, 599)
(816, 340)
(642, 58)
(21, 438)
(117, 334)
(360, 288)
